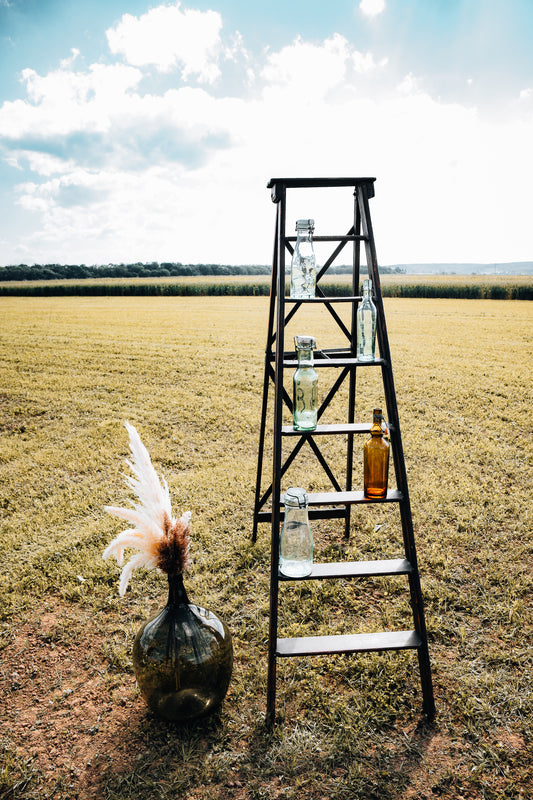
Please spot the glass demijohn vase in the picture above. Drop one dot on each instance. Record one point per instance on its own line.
(376, 459)
(366, 325)
(303, 263)
(296, 540)
(183, 658)
(305, 386)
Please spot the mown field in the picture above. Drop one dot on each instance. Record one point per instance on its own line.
(187, 372)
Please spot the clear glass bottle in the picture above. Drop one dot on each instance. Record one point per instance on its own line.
(296, 541)
(305, 386)
(303, 264)
(376, 459)
(366, 325)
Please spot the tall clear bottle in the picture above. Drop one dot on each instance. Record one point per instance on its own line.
(303, 264)
(366, 325)
(296, 540)
(376, 459)
(305, 386)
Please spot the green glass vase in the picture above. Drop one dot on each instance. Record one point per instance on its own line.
(183, 658)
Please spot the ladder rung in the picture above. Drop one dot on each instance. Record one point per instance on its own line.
(356, 569)
(332, 299)
(352, 643)
(347, 237)
(314, 513)
(348, 498)
(336, 362)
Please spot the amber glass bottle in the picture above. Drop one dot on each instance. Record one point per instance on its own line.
(376, 460)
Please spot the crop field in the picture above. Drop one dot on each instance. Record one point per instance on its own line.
(188, 372)
(494, 287)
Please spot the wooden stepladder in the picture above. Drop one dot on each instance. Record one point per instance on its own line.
(338, 502)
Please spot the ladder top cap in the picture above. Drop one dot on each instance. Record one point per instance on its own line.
(310, 182)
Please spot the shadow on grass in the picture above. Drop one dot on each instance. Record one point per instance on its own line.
(222, 756)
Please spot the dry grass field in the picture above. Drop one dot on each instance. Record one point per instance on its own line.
(187, 372)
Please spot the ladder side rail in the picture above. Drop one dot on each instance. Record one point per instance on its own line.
(280, 199)
(356, 261)
(266, 380)
(386, 365)
(399, 465)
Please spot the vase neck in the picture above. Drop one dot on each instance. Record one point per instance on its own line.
(176, 590)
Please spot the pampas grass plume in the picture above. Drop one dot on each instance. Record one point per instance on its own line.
(161, 540)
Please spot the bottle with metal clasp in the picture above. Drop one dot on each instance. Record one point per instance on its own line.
(296, 540)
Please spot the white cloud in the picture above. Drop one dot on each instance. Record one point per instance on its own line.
(167, 37)
(306, 68)
(65, 101)
(120, 173)
(372, 8)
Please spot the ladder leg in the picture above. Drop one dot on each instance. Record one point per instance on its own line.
(266, 381)
(276, 462)
(428, 701)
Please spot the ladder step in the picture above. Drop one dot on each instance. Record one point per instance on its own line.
(292, 363)
(356, 569)
(348, 498)
(352, 643)
(348, 427)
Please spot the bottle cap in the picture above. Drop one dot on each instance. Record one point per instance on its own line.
(305, 224)
(304, 341)
(296, 497)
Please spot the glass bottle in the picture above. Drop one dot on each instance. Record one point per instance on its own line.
(305, 386)
(376, 459)
(303, 264)
(296, 541)
(366, 324)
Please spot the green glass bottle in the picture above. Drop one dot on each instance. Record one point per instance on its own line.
(366, 325)
(305, 386)
(303, 263)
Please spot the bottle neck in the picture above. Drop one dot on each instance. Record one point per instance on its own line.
(305, 357)
(176, 590)
(377, 428)
(296, 514)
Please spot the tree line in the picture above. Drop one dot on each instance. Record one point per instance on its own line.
(154, 269)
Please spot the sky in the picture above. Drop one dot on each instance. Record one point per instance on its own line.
(140, 131)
